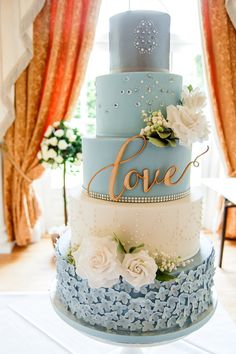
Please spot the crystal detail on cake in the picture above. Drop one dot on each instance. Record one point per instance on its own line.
(145, 37)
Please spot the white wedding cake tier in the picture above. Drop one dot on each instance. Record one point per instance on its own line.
(172, 227)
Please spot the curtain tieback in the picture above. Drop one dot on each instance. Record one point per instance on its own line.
(4, 148)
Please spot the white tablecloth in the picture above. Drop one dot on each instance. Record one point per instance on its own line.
(29, 325)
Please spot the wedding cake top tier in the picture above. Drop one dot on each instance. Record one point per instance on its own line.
(139, 41)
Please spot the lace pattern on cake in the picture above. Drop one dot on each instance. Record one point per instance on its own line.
(158, 306)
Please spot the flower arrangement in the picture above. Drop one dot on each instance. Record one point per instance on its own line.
(185, 122)
(157, 130)
(102, 260)
(61, 146)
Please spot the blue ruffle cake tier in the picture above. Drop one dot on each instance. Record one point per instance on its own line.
(101, 152)
(155, 308)
(121, 98)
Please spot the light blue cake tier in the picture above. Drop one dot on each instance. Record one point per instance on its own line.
(139, 41)
(154, 308)
(100, 152)
(121, 98)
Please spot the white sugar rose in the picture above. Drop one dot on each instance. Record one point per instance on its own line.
(48, 131)
(62, 145)
(53, 141)
(139, 268)
(97, 260)
(188, 126)
(194, 100)
(52, 154)
(59, 133)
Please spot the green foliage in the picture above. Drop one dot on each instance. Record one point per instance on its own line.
(199, 72)
(190, 88)
(91, 101)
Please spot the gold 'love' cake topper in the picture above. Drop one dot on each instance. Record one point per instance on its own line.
(144, 176)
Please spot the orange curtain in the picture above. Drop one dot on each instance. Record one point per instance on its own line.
(219, 37)
(45, 92)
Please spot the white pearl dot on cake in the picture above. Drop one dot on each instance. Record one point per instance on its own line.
(126, 78)
(129, 92)
(116, 105)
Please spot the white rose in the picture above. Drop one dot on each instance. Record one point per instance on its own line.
(45, 141)
(48, 131)
(44, 150)
(59, 159)
(59, 133)
(39, 155)
(139, 269)
(62, 145)
(70, 135)
(54, 166)
(46, 164)
(97, 260)
(188, 126)
(194, 100)
(53, 141)
(52, 154)
(72, 138)
(56, 124)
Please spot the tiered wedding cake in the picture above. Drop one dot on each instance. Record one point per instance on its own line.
(135, 261)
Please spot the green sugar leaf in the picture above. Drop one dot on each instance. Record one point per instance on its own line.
(133, 249)
(157, 142)
(171, 142)
(164, 135)
(120, 246)
(164, 276)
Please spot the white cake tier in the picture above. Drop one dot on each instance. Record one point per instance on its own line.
(171, 227)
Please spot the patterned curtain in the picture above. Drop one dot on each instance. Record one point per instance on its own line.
(219, 37)
(45, 92)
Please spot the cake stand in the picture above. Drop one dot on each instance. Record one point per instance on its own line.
(131, 343)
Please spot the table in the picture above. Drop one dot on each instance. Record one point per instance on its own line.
(28, 324)
(226, 187)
